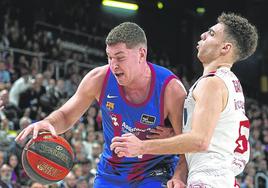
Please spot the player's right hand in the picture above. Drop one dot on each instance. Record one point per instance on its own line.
(175, 183)
(34, 129)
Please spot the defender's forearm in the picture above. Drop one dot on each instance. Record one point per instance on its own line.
(180, 144)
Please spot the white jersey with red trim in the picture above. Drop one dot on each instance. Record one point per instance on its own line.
(229, 147)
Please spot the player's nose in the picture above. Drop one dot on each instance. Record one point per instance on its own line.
(203, 36)
(113, 64)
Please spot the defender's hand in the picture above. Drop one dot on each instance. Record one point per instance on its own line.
(175, 183)
(161, 132)
(128, 145)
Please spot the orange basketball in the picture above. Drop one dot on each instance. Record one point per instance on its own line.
(47, 159)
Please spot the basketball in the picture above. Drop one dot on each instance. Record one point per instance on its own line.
(47, 159)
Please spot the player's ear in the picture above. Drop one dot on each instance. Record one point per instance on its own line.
(226, 48)
(142, 53)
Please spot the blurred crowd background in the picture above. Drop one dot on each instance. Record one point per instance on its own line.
(46, 47)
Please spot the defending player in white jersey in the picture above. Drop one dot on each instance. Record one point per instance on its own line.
(216, 130)
(228, 151)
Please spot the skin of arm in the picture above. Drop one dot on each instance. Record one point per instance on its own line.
(63, 119)
(171, 111)
(180, 175)
(75, 107)
(210, 96)
(175, 115)
(174, 112)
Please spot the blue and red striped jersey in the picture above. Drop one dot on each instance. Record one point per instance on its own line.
(121, 116)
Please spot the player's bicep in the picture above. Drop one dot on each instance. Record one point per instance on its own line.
(85, 94)
(208, 96)
(174, 100)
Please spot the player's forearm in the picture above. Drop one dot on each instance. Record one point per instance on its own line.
(181, 170)
(58, 120)
(180, 144)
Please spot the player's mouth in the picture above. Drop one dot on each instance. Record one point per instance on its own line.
(197, 46)
(119, 75)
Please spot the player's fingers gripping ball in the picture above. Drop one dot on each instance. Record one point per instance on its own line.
(47, 159)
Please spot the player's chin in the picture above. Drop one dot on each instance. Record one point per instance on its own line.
(121, 82)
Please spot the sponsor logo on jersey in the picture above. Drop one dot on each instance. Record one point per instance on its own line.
(147, 119)
(114, 120)
(111, 96)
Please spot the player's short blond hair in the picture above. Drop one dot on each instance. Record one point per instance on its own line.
(129, 33)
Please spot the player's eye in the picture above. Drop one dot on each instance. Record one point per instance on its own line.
(211, 32)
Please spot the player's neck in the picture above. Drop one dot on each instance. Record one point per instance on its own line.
(139, 89)
(141, 80)
(214, 66)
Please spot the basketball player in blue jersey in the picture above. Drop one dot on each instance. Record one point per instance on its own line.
(136, 97)
(216, 129)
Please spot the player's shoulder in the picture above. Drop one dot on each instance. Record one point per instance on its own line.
(175, 87)
(98, 73)
(95, 77)
(211, 85)
(211, 81)
(93, 81)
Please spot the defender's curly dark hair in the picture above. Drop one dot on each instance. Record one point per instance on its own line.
(129, 33)
(242, 33)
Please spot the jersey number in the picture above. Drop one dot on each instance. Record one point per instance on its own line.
(242, 140)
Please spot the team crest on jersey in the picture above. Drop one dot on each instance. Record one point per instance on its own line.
(109, 105)
(147, 119)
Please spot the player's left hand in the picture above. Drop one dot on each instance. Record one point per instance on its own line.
(161, 132)
(175, 183)
(128, 145)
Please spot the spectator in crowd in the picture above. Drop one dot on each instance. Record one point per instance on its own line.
(248, 182)
(2, 157)
(88, 170)
(82, 183)
(77, 170)
(10, 66)
(5, 80)
(35, 184)
(69, 181)
(91, 117)
(79, 150)
(6, 174)
(10, 111)
(88, 143)
(20, 85)
(13, 162)
(71, 84)
(7, 132)
(31, 97)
